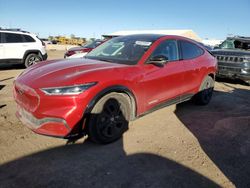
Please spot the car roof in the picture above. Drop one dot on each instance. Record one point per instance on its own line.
(148, 37)
(239, 38)
(16, 32)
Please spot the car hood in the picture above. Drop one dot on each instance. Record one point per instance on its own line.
(79, 48)
(231, 52)
(64, 72)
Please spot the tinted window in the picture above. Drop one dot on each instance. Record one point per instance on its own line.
(92, 44)
(227, 44)
(13, 38)
(168, 49)
(190, 50)
(28, 38)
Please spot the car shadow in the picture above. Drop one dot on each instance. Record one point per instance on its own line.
(1, 106)
(2, 86)
(92, 165)
(231, 81)
(223, 131)
(9, 66)
(7, 79)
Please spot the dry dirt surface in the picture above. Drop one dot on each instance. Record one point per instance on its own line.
(182, 145)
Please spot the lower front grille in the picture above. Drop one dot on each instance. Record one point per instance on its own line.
(231, 69)
(232, 59)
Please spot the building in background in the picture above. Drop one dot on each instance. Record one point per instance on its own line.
(185, 33)
(212, 42)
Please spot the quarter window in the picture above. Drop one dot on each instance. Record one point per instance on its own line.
(13, 38)
(190, 50)
(28, 38)
(167, 48)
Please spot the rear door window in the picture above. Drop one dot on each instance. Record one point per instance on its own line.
(12, 38)
(190, 50)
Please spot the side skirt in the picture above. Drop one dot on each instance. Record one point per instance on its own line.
(169, 102)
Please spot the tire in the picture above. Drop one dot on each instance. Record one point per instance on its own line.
(109, 118)
(205, 92)
(247, 82)
(31, 59)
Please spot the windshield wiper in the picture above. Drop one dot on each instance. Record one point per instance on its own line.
(106, 60)
(97, 58)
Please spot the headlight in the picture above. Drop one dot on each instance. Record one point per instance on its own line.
(68, 90)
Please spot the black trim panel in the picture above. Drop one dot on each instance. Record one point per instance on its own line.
(169, 102)
(12, 61)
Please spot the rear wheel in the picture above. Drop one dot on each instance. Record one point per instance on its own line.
(206, 91)
(109, 118)
(32, 59)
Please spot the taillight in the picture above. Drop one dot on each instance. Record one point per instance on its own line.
(69, 53)
(43, 43)
(86, 50)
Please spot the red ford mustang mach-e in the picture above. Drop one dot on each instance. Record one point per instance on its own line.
(122, 79)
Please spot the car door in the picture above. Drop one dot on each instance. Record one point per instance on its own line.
(13, 46)
(162, 84)
(1, 47)
(191, 60)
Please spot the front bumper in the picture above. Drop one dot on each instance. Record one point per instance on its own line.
(238, 71)
(44, 57)
(47, 125)
(58, 116)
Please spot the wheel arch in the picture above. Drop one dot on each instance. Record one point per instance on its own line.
(212, 74)
(115, 89)
(31, 52)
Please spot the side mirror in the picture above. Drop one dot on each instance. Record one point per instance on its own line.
(158, 60)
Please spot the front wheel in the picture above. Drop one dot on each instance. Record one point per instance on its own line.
(32, 59)
(109, 118)
(206, 91)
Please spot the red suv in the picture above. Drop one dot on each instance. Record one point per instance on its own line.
(122, 79)
(84, 49)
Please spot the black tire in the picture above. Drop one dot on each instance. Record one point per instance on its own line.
(109, 118)
(247, 82)
(32, 59)
(206, 91)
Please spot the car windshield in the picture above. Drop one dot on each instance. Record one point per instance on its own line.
(227, 44)
(124, 50)
(235, 44)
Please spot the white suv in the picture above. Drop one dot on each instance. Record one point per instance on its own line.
(21, 47)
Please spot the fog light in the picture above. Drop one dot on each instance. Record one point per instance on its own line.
(245, 71)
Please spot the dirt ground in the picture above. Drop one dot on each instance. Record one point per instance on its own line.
(179, 146)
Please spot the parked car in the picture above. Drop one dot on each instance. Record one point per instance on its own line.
(21, 47)
(78, 52)
(233, 57)
(46, 41)
(119, 81)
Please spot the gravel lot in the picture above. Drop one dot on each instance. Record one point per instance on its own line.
(179, 146)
